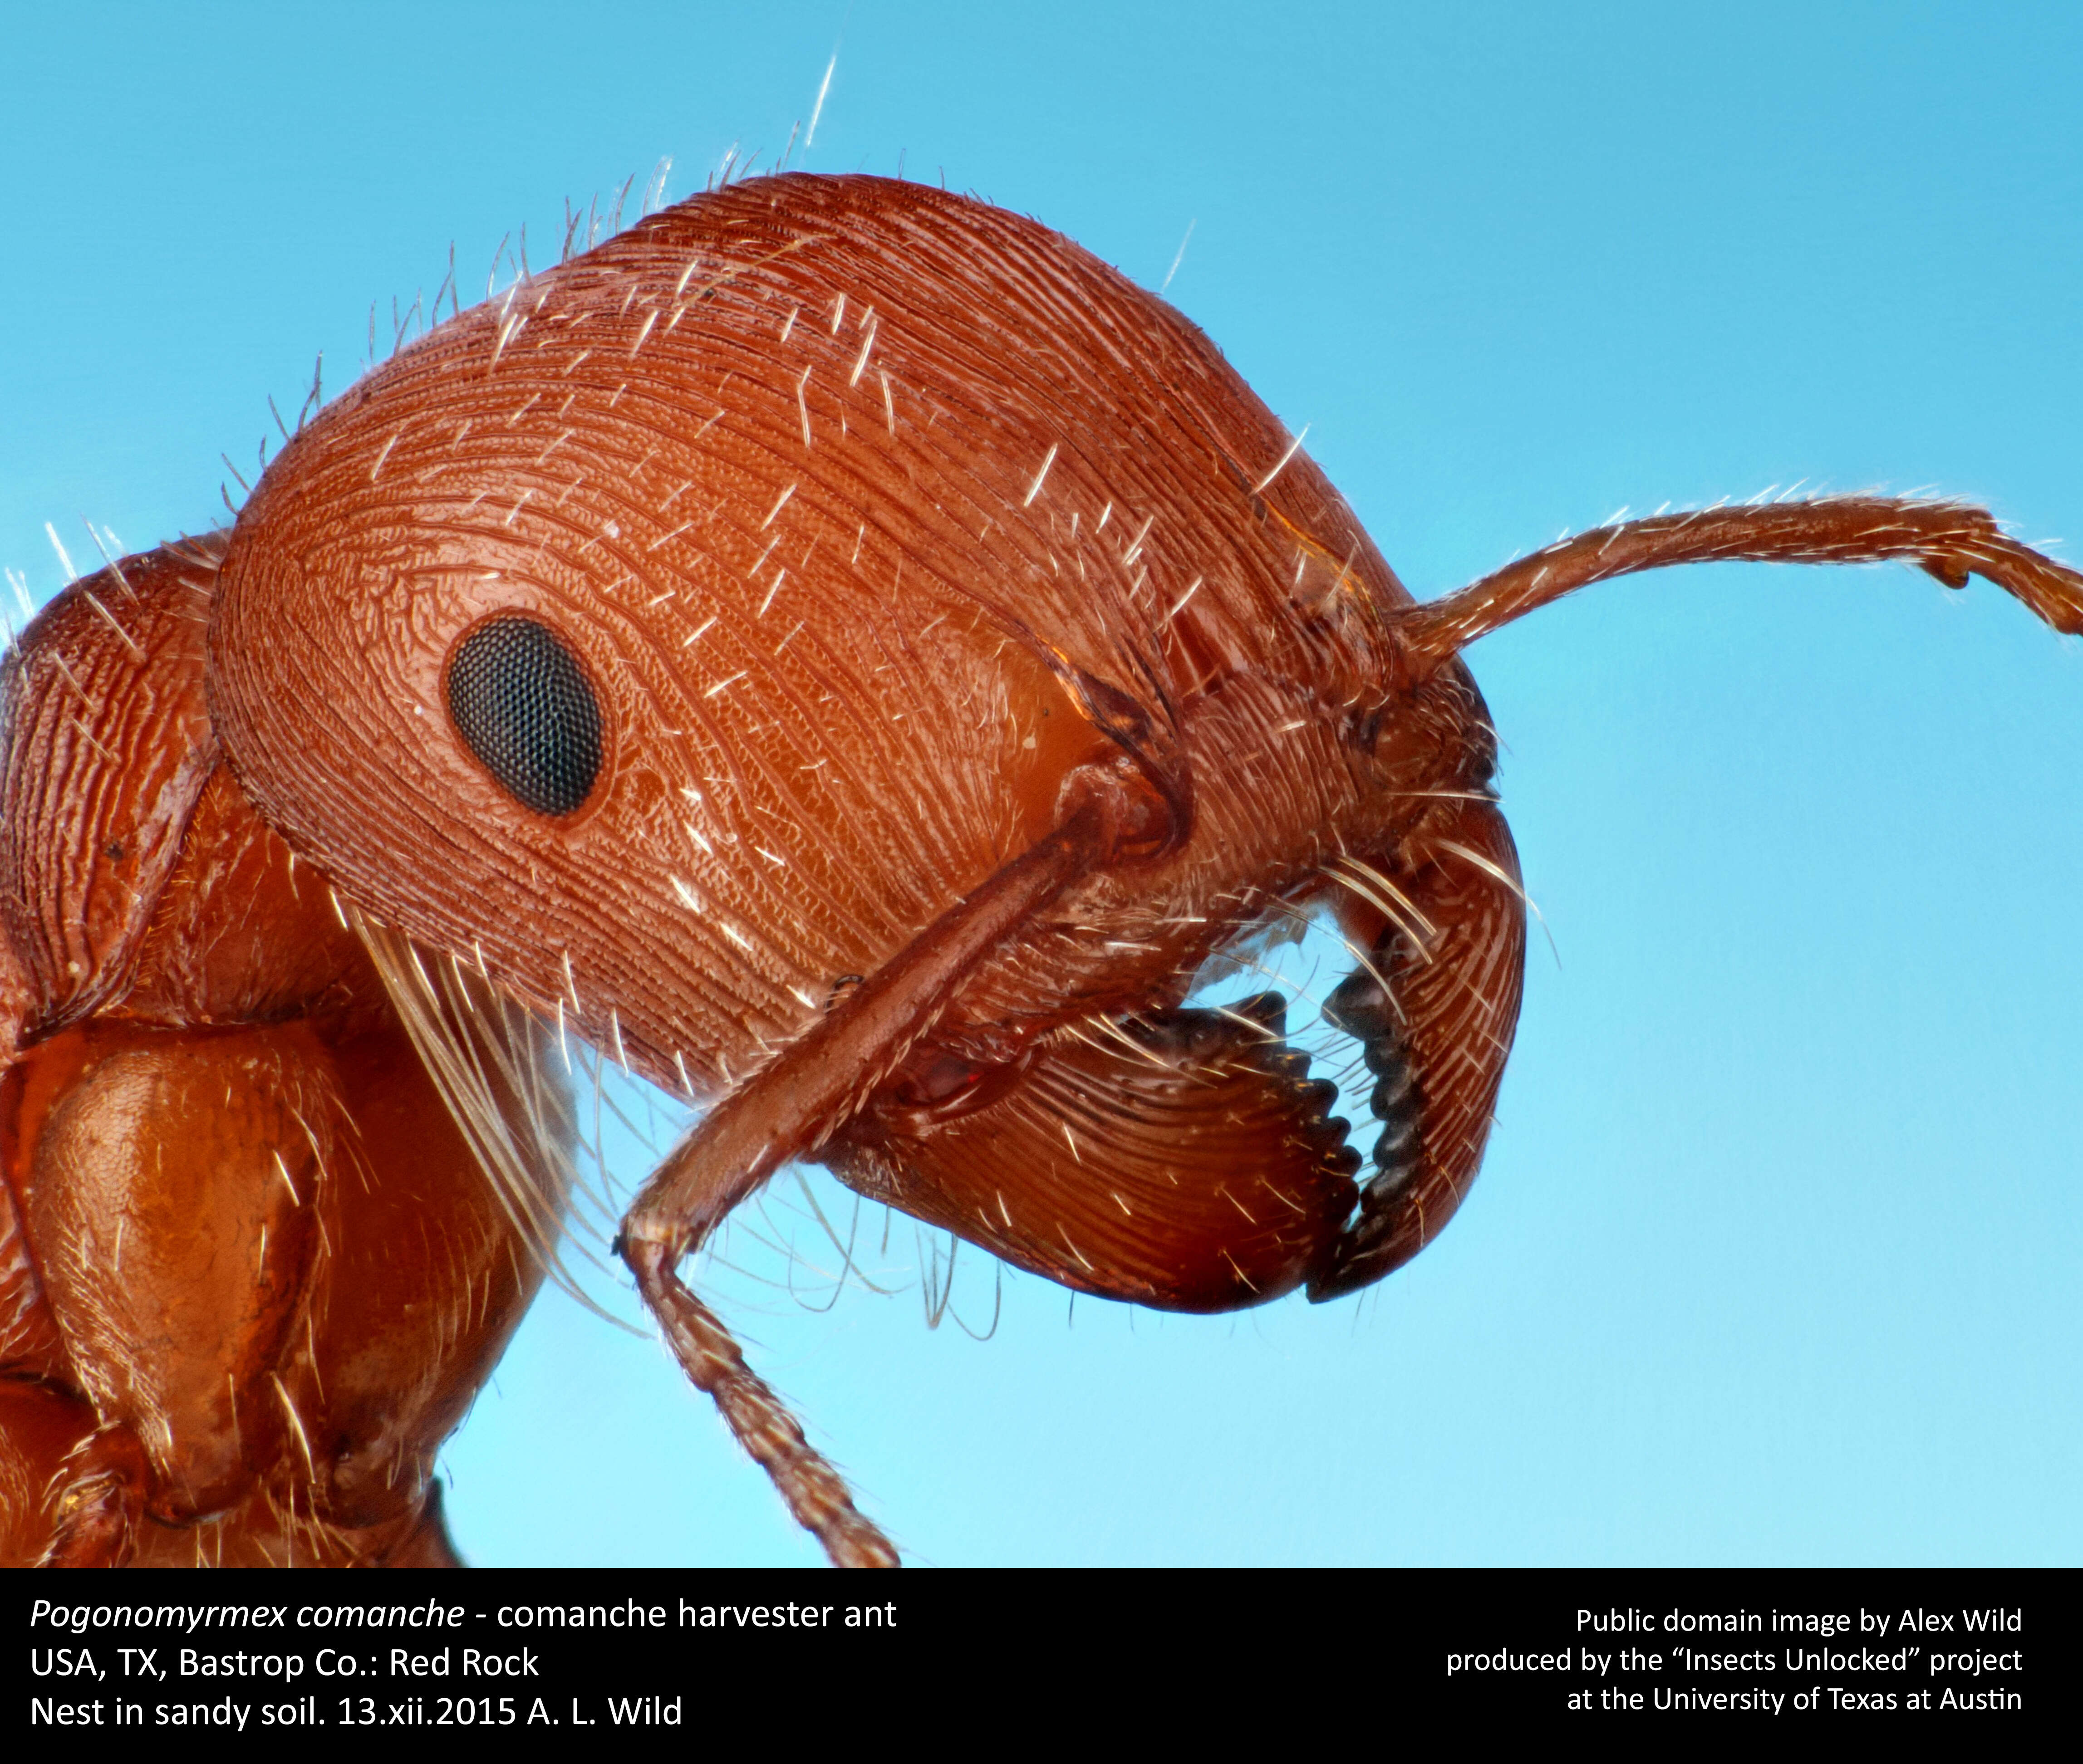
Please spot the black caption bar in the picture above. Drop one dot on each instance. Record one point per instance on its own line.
(251, 1656)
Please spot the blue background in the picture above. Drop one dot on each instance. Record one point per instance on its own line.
(1774, 1256)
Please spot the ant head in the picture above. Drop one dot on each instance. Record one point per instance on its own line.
(687, 625)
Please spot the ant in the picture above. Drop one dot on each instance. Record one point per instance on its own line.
(842, 652)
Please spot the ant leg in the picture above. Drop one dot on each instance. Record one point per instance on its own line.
(1949, 540)
(790, 1107)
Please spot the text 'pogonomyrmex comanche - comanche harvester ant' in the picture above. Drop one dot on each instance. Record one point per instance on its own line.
(837, 648)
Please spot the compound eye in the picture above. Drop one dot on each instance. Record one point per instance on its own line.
(521, 700)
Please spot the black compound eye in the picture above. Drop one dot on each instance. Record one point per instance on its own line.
(521, 699)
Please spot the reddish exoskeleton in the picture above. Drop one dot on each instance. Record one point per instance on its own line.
(845, 651)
